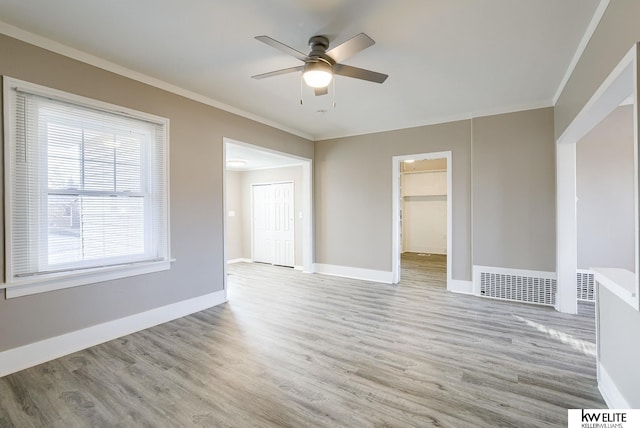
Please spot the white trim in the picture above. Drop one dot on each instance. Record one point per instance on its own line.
(239, 260)
(516, 272)
(613, 92)
(75, 278)
(460, 286)
(596, 293)
(609, 390)
(270, 183)
(26, 356)
(225, 250)
(566, 229)
(620, 282)
(438, 120)
(308, 226)
(430, 171)
(266, 168)
(427, 250)
(595, 21)
(395, 212)
(355, 273)
(11, 83)
(86, 58)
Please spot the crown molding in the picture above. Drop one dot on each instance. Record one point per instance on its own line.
(595, 21)
(78, 55)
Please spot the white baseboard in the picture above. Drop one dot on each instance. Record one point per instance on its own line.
(427, 250)
(26, 356)
(609, 391)
(385, 277)
(460, 286)
(240, 260)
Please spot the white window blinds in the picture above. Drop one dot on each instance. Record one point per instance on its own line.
(87, 185)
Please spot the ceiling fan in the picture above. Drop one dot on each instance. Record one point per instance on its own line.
(320, 65)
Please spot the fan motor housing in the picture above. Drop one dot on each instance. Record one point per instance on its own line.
(319, 46)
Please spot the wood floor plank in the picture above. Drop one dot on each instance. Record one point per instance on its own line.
(299, 350)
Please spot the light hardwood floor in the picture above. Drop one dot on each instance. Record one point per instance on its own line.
(299, 350)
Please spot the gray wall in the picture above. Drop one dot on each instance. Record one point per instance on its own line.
(244, 182)
(514, 191)
(353, 194)
(235, 225)
(509, 163)
(619, 345)
(197, 131)
(604, 164)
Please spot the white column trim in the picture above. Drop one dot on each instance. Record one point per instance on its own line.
(385, 277)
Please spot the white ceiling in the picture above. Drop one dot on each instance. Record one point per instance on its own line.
(446, 59)
(256, 158)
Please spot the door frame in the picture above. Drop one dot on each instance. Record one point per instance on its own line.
(619, 85)
(395, 206)
(308, 237)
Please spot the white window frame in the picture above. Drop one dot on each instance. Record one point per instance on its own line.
(116, 268)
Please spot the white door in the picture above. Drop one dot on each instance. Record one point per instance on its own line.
(273, 224)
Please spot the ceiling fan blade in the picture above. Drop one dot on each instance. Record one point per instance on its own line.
(351, 47)
(359, 73)
(282, 47)
(321, 91)
(278, 72)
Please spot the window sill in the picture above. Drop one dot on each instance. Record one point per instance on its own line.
(67, 280)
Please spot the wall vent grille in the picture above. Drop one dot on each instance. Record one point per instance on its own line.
(519, 288)
(586, 286)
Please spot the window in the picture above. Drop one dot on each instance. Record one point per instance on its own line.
(85, 186)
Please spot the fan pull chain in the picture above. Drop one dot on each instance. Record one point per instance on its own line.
(333, 89)
(301, 90)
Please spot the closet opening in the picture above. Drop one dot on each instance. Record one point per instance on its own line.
(422, 224)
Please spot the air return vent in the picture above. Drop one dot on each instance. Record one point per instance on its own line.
(516, 285)
(586, 285)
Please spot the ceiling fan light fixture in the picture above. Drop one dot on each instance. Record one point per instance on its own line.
(322, 63)
(318, 73)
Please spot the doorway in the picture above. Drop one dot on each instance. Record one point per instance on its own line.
(422, 187)
(617, 91)
(246, 165)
